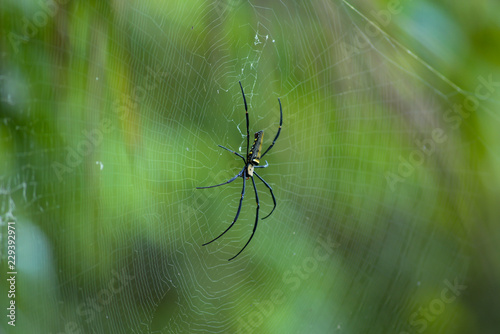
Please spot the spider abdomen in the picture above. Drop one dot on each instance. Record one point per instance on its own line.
(254, 154)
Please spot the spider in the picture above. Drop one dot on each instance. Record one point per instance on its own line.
(251, 163)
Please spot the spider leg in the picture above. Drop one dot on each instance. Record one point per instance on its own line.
(279, 130)
(246, 115)
(265, 166)
(237, 213)
(217, 185)
(256, 219)
(233, 152)
(271, 190)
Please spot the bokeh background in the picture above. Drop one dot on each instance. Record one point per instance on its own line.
(386, 172)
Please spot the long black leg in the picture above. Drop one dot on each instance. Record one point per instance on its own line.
(256, 219)
(237, 212)
(279, 130)
(233, 152)
(271, 190)
(234, 178)
(246, 115)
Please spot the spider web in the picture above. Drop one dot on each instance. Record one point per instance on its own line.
(111, 116)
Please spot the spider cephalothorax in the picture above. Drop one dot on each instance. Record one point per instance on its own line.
(252, 161)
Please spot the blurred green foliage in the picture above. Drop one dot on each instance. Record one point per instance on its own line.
(110, 117)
